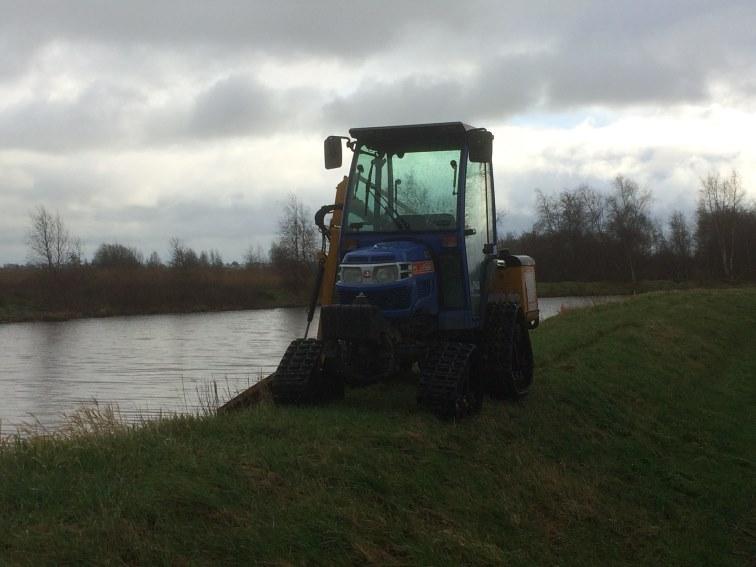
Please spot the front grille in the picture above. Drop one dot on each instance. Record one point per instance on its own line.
(378, 258)
(391, 298)
(369, 258)
(423, 288)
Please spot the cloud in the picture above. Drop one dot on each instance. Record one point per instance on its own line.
(667, 155)
(330, 28)
(110, 114)
(226, 193)
(235, 105)
(147, 73)
(101, 114)
(131, 116)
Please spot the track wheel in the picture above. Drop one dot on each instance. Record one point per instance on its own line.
(508, 353)
(450, 383)
(300, 377)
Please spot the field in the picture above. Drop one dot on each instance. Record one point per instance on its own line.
(636, 446)
(571, 288)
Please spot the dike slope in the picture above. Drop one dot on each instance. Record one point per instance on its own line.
(636, 446)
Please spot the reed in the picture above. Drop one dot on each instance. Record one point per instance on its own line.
(89, 291)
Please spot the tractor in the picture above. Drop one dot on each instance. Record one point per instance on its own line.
(410, 279)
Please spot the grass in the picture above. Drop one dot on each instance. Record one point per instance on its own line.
(636, 446)
(569, 288)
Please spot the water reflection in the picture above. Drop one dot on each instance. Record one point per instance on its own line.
(148, 364)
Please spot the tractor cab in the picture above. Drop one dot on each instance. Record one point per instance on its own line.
(418, 222)
(412, 281)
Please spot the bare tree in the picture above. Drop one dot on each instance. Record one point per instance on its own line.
(254, 256)
(182, 256)
(549, 219)
(575, 212)
(117, 255)
(720, 206)
(629, 223)
(680, 245)
(177, 252)
(216, 260)
(50, 242)
(594, 209)
(154, 260)
(296, 233)
(204, 259)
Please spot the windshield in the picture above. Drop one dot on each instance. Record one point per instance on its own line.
(400, 191)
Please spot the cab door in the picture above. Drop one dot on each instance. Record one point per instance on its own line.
(479, 229)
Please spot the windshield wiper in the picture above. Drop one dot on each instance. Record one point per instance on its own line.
(398, 221)
(391, 212)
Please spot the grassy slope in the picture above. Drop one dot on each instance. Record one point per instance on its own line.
(568, 288)
(636, 446)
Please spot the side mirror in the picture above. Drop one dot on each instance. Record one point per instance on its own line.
(332, 152)
(480, 145)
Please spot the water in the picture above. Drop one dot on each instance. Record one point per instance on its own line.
(550, 306)
(149, 365)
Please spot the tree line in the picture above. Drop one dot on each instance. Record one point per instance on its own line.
(52, 246)
(581, 234)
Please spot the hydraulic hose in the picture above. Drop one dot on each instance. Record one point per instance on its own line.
(320, 218)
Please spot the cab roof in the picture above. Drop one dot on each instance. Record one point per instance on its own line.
(413, 137)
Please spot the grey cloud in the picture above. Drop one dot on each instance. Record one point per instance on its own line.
(521, 58)
(514, 84)
(234, 106)
(414, 99)
(604, 53)
(498, 89)
(327, 27)
(107, 114)
(102, 114)
(683, 30)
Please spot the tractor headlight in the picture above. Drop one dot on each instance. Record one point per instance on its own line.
(351, 275)
(385, 274)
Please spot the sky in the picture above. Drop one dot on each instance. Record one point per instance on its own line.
(140, 121)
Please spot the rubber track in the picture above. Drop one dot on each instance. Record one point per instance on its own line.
(298, 371)
(440, 375)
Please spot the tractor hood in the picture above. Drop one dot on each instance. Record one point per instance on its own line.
(390, 251)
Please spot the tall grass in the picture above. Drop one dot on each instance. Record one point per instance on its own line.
(95, 418)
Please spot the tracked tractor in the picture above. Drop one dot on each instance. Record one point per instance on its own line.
(410, 278)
